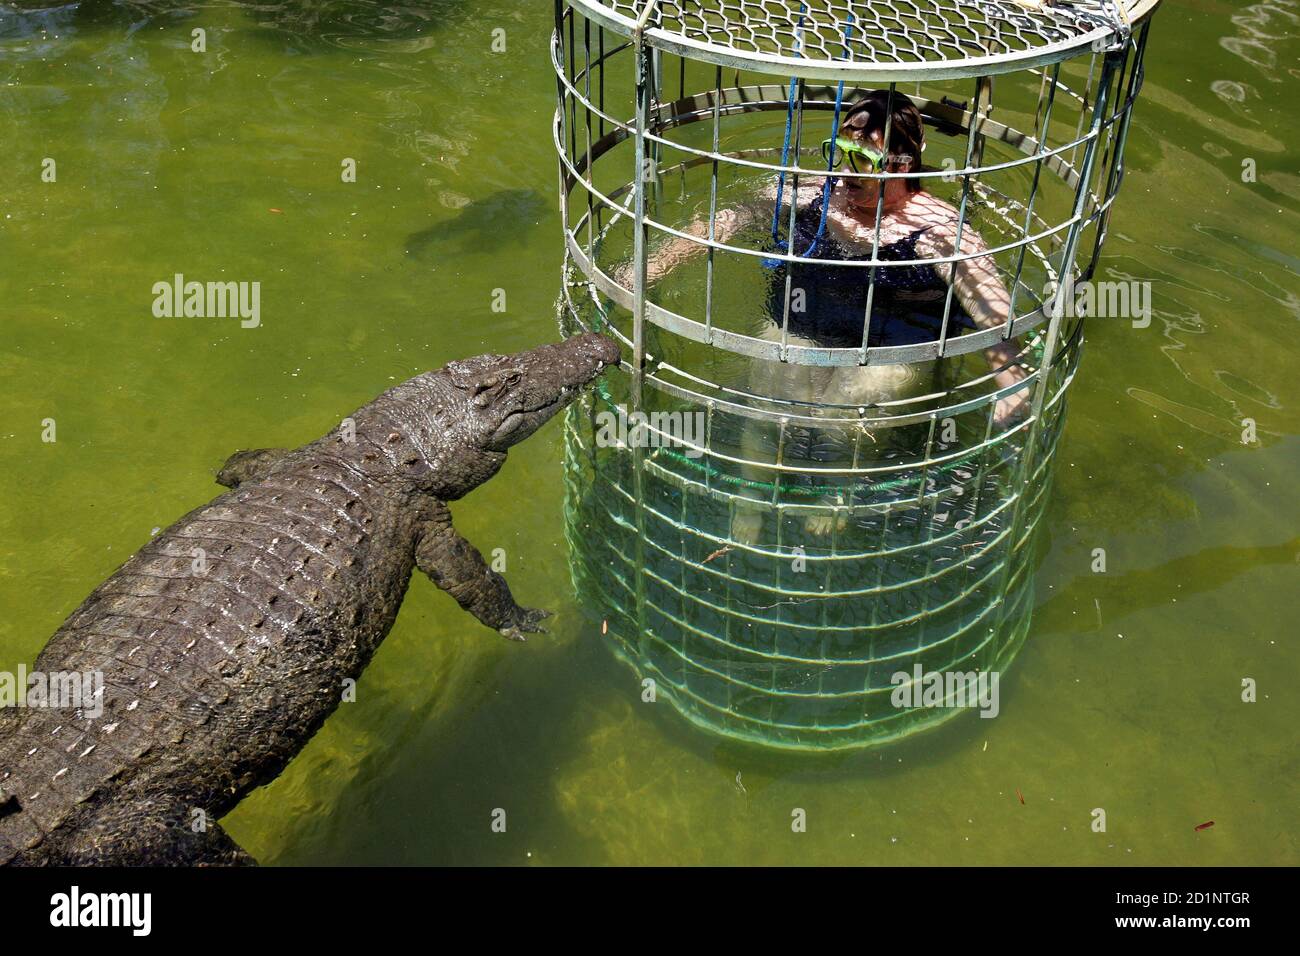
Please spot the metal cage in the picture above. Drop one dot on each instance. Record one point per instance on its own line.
(842, 511)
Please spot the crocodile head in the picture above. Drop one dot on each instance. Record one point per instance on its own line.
(508, 397)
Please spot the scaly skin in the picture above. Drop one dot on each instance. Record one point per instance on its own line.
(215, 678)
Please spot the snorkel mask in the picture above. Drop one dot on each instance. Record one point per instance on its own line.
(862, 159)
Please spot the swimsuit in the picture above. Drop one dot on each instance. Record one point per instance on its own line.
(907, 307)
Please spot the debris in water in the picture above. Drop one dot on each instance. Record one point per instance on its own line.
(1020, 796)
(740, 786)
(1205, 826)
(273, 209)
(604, 627)
(717, 554)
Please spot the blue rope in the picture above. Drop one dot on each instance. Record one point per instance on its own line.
(830, 162)
(829, 182)
(785, 153)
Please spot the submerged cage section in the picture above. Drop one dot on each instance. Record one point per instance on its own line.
(774, 518)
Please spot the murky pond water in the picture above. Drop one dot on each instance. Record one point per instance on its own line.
(226, 165)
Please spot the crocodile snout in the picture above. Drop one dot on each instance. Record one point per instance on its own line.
(602, 347)
(588, 355)
(541, 382)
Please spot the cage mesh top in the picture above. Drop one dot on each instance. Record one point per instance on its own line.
(853, 37)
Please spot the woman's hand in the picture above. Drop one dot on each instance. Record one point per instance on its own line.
(1010, 409)
(1014, 406)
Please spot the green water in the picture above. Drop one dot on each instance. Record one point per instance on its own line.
(226, 165)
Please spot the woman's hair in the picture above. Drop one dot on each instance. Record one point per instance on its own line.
(906, 131)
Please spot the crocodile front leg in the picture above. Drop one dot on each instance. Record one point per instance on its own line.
(456, 566)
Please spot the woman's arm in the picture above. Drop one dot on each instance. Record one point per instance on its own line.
(980, 291)
(677, 250)
(671, 254)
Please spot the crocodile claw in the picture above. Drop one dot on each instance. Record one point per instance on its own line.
(526, 619)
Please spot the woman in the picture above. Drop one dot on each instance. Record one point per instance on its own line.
(828, 304)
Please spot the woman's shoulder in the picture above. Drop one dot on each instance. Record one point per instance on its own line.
(936, 221)
(927, 209)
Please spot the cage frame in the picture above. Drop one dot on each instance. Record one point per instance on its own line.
(1052, 340)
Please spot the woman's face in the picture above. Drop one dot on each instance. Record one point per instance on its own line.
(865, 194)
(861, 193)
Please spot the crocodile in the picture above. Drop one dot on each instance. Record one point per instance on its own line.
(222, 645)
